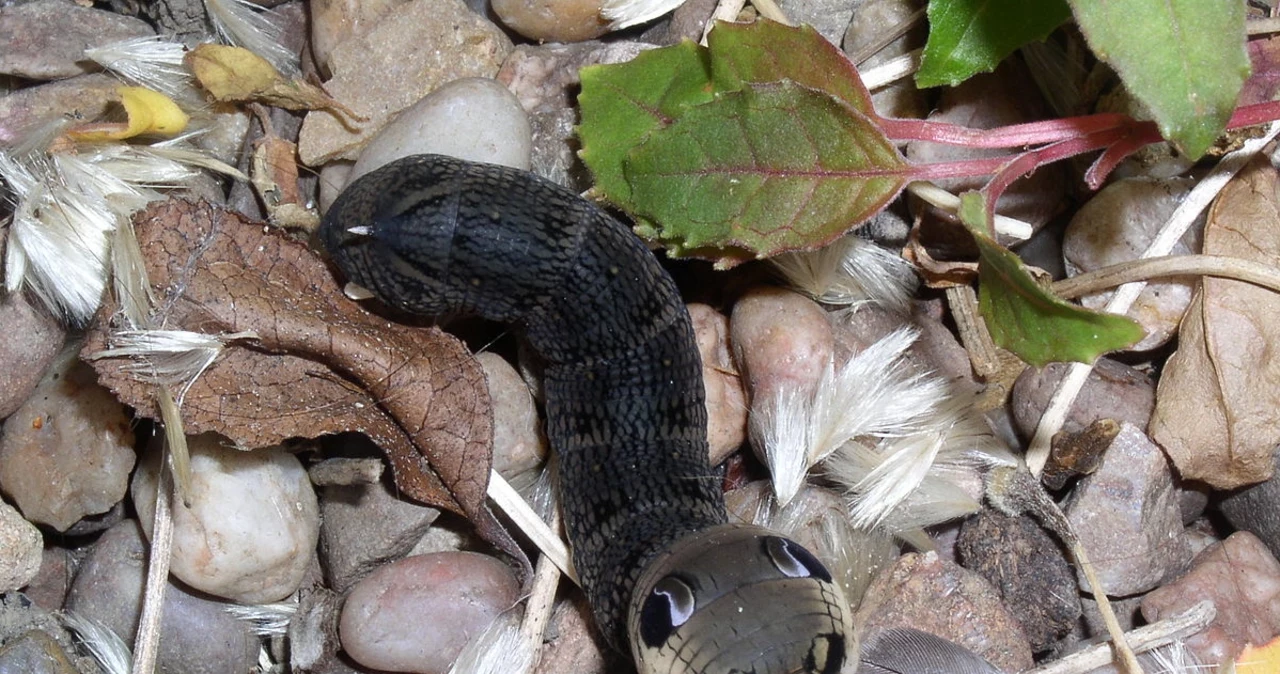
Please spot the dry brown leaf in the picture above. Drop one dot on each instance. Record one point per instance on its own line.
(1218, 403)
(321, 363)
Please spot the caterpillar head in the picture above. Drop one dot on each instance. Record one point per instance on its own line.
(738, 598)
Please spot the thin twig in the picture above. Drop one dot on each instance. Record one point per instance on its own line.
(726, 10)
(1143, 639)
(147, 645)
(1270, 24)
(527, 521)
(947, 201)
(1147, 269)
(539, 605)
(1196, 201)
(984, 357)
(891, 71)
(887, 38)
(771, 11)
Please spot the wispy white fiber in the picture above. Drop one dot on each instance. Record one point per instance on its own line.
(874, 393)
(913, 481)
(624, 13)
(59, 239)
(151, 62)
(265, 620)
(498, 650)
(1176, 658)
(68, 208)
(173, 357)
(239, 23)
(108, 649)
(849, 271)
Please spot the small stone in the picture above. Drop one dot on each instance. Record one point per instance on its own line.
(20, 549)
(1027, 568)
(46, 39)
(473, 118)
(871, 20)
(780, 339)
(30, 338)
(726, 397)
(1116, 225)
(1242, 579)
(518, 444)
(462, 592)
(1256, 509)
(1112, 391)
(922, 592)
(336, 21)
(685, 23)
(1126, 516)
(252, 525)
(552, 20)
(333, 177)
(574, 647)
(35, 652)
(313, 632)
(83, 97)
(67, 452)
(545, 80)
(829, 17)
(366, 526)
(414, 49)
(346, 472)
(197, 636)
(48, 589)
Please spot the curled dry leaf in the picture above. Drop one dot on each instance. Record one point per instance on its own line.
(321, 364)
(236, 75)
(1218, 404)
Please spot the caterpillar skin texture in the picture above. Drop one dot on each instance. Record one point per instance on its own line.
(661, 566)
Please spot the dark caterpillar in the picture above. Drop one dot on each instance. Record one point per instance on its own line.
(625, 409)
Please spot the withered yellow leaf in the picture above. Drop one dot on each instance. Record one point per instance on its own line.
(237, 75)
(1263, 659)
(147, 112)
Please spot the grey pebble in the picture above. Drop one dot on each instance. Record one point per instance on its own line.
(545, 80)
(35, 652)
(1112, 391)
(46, 39)
(1256, 509)
(67, 452)
(31, 337)
(83, 97)
(365, 526)
(197, 636)
(1127, 516)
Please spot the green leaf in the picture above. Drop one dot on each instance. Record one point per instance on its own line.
(1029, 320)
(766, 51)
(623, 103)
(1184, 59)
(967, 37)
(770, 168)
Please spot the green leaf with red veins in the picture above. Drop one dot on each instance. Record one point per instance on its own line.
(623, 103)
(765, 51)
(768, 169)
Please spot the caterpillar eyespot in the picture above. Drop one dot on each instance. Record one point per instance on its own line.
(624, 402)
